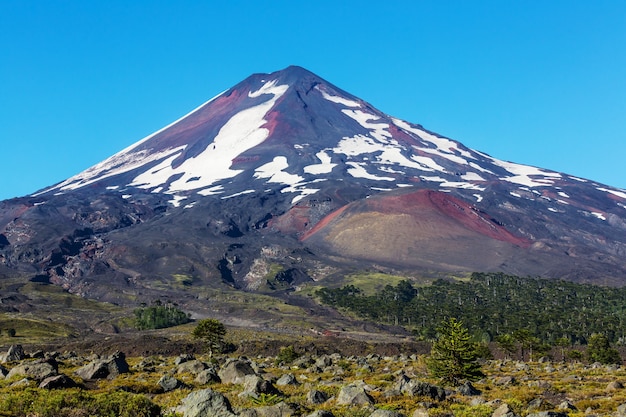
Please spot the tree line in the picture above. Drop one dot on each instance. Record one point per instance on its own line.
(492, 305)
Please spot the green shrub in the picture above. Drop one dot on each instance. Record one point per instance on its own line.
(75, 403)
(286, 355)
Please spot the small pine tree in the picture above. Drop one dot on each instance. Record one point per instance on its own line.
(212, 332)
(599, 350)
(454, 356)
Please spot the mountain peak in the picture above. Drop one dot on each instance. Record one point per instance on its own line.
(289, 153)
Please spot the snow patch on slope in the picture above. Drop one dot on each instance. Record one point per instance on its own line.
(242, 132)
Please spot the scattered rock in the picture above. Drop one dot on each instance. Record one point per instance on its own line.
(206, 403)
(38, 370)
(320, 413)
(504, 411)
(192, 366)
(354, 394)
(468, 389)
(14, 354)
(316, 397)
(169, 383)
(253, 385)
(207, 376)
(110, 367)
(287, 379)
(566, 406)
(183, 358)
(547, 414)
(504, 380)
(614, 385)
(386, 413)
(57, 382)
(278, 410)
(235, 371)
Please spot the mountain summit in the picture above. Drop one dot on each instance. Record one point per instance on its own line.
(286, 172)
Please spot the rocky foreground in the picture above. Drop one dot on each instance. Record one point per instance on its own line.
(309, 385)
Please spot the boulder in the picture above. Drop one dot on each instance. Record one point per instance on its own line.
(614, 386)
(109, 367)
(621, 410)
(253, 385)
(169, 383)
(207, 376)
(183, 358)
(206, 403)
(320, 413)
(315, 397)
(38, 370)
(235, 371)
(14, 354)
(419, 388)
(287, 379)
(386, 413)
(504, 411)
(192, 367)
(58, 382)
(277, 410)
(468, 389)
(354, 394)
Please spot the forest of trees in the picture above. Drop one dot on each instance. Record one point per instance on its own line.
(492, 305)
(159, 316)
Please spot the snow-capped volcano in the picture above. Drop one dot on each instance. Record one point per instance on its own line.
(293, 130)
(285, 168)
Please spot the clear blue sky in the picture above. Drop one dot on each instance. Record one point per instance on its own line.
(535, 82)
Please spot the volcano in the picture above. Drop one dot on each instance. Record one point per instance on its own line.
(285, 179)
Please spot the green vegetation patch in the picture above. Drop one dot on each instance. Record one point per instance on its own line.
(492, 305)
(30, 330)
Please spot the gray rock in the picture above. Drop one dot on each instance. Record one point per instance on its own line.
(38, 370)
(614, 385)
(420, 412)
(504, 380)
(24, 382)
(57, 382)
(566, 406)
(419, 388)
(278, 410)
(14, 354)
(235, 371)
(254, 384)
(386, 413)
(323, 361)
(503, 411)
(207, 376)
(169, 383)
(110, 367)
(320, 413)
(621, 410)
(547, 414)
(205, 403)
(191, 367)
(468, 389)
(354, 394)
(287, 379)
(183, 358)
(316, 397)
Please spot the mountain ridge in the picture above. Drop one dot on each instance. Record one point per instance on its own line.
(287, 172)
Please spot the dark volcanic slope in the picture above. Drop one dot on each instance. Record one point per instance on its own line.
(286, 175)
